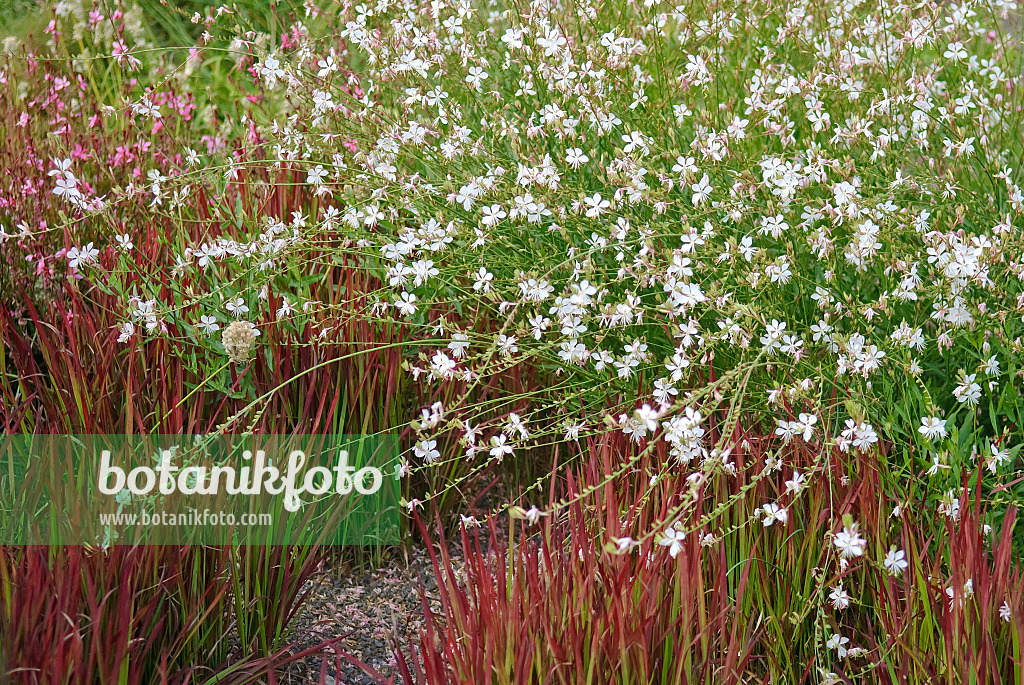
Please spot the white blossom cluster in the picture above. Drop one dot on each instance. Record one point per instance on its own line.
(818, 214)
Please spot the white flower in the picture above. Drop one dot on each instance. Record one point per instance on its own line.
(209, 324)
(964, 595)
(422, 271)
(623, 544)
(316, 175)
(635, 141)
(773, 334)
(406, 305)
(430, 418)
(236, 307)
(492, 215)
(849, 542)
(1005, 612)
(673, 539)
(895, 561)
(513, 37)
(796, 483)
(127, 330)
(596, 205)
(829, 677)
(864, 436)
(647, 416)
(955, 51)
(271, 70)
(968, 391)
(442, 366)
(788, 86)
(459, 345)
(860, 435)
(81, 255)
(701, 190)
(124, 243)
(61, 167)
(785, 430)
(533, 515)
(427, 450)
(67, 187)
(483, 280)
(932, 427)
(575, 158)
(327, 65)
(476, 77)
(500, 446)
(773, 512)
(805, 426)
(840, 597)
(997, 456)
(516, 425)
(507, 344)
(838, 643)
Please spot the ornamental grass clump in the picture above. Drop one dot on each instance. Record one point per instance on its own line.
(579, 599)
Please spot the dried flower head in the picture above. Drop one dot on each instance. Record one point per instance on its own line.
(238, 339)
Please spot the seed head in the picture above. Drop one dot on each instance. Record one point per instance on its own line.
(238, 339)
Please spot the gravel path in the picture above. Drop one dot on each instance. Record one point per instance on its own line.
(369, 606)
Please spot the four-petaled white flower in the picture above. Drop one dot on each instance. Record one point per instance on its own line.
(840, 598)
(406, 305)
(672, 538)
(483, 280)
(476, 77)
(955, 51)
(635, 142)
(67, 187)
(316, 175)
(209, 324)
(492, 215)
(895, 561)
(770, 513)
(500, 446)
(78, 256)
(849, 542)
(507, 344)
(427, 450)
(575, 158)
(596, 205)
(236, 307)
(701, 190)
(932, 427)
(327, 65)
(838, 643)
(271, 70)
